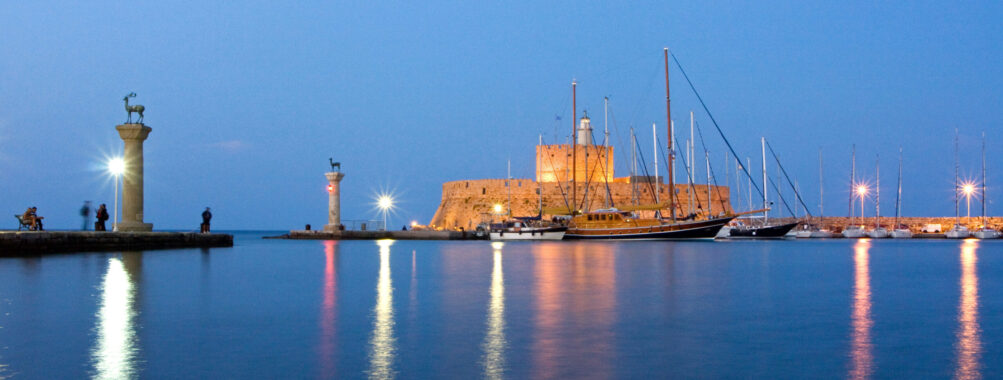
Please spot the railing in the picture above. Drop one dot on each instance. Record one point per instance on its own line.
(363, 225)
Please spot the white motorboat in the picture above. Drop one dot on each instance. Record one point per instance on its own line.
(958, 232)
(878, 233)
(520, 230)
(854, 232)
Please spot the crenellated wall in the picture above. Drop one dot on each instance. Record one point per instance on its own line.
(468, 203)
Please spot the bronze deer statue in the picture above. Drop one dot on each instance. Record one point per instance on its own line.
(334, 165)
(136, 108)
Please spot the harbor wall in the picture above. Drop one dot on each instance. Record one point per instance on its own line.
(914, 223)
(17, 243)
(467, 203)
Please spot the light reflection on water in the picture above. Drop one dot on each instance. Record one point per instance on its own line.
(862, 323)
(382, 343)
(114, 356)
(327, 321)
(969, 345)
(494, 341)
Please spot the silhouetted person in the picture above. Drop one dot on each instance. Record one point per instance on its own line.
(206, 217)
(86, 213)
(31, 217)
(102, 215)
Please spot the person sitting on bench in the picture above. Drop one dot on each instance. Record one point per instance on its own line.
(32, 219)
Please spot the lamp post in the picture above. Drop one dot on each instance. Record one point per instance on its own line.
(968, 189)
(116, 166)
(385, 203)
(862, 192)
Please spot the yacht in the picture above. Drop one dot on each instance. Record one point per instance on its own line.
(878, 232)
(527, 229)
(854, 232)
(958, 231)
(901, 231)
(985, 232)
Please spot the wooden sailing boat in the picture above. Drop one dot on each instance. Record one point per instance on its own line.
(901, 231)
(985, 232)
(624, 224)
(959, 231)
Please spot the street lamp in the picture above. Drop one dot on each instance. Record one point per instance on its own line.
(862, 192)
(968, 189)
(116, 166)
(385, 203)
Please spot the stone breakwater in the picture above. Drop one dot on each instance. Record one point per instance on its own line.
(34, 243)
(376, 235)
(914, 223)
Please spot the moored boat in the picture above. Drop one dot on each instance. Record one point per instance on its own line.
(958, 232)
(854, 232)
(985, 232)
(521, 229)
(766, 232)
(878, 233)
(616, 224)
(902, 232)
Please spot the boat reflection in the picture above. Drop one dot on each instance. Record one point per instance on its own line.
(863, 359)
(969, 346)
(116, 351)
(575, 292)
(382, 343)
(327, 338)
(494, 342)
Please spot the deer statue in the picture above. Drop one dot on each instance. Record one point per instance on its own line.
(136, 108)
(334, 165)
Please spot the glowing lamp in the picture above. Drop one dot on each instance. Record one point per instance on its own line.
(116, 166)
(862, 190)
(498, 208)
(968, 189)
(330, 188)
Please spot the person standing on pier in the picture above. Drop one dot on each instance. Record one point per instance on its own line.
(102, 215)
(206, 217)
(86, 213)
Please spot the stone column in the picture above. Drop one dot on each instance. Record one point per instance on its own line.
(132, 188)
(333, 200)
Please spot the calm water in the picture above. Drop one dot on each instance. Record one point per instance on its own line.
(417, 309)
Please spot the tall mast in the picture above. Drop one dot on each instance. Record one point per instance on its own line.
(898, 197)
(821, 194)
(877, 192)
(654, 149)
(957, 210)
(690, 168)
(984, 179)
(710, 204)
(766, 213)
(574, 148)
(853, 179)
(508, 185)
(605, 144)
(633, 168)
(748, 164)
(668, 118)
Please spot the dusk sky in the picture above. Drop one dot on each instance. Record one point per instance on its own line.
(248, 100)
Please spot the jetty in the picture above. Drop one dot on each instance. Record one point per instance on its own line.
(29, 243)
(377, 235)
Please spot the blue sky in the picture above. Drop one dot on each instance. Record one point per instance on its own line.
(247, 100)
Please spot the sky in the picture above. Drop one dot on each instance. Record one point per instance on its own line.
(248, 100)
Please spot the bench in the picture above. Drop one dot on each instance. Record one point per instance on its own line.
(21, 223)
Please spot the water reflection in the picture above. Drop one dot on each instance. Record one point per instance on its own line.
(116, 352)
(327, 342)
(969, 345)
(382, 343)
(494, 342)
(572, 297)
(863, 359)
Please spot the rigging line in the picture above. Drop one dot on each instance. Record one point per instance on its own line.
(557, 179)
(797, 195)
(644, 166)
(605, 176)
(709, 165)
(781, 196)
(672, 192)
(719, 131)
(647, 92)
(692, 189)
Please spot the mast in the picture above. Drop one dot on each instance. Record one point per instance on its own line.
(957, 210)
(748, 164)
(984, 179)
(710, 203)
(689, 167)
(877, 192)
(821, 197)
(654, 149)
(605, 144)
(853, 179)
(668, 118)
(898, 197)
(633, 168)
(574, 148)
(766, 214)
(508, 185)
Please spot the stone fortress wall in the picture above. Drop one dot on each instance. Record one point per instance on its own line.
(465, 204)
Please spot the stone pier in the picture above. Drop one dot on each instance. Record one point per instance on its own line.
(333, 200)
(132, 189)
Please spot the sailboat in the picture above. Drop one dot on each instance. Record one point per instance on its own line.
(614, 223)
(985, 232)
(901, 231)
(878, 232)
(959, 231)
(525, 228)
(766, 231)
(854, 231)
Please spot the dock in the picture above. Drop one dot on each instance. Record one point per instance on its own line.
(27, 243)
(377, 235)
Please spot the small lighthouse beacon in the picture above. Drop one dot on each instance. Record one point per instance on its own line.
(585, 130)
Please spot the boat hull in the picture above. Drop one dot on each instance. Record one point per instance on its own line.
(958, 234)
(706, 229)
(554, 233)
(770, 232)
(987, 234)
(821, 234)
(878, 233)
(854, 233)
(901, 234)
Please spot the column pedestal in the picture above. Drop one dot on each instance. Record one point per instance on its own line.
(334, 200)
(132, 180)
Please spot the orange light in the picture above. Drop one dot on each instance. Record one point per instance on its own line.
(330, 188)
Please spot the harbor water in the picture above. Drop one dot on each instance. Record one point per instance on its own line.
(477, 309)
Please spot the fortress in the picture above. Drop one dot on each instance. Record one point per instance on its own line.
(467, 203)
